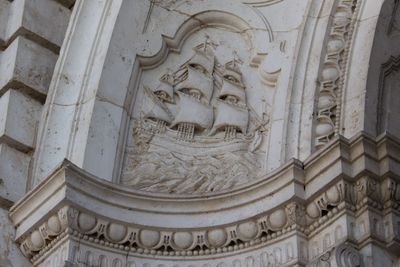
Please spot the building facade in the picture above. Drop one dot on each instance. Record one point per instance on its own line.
(201, 133)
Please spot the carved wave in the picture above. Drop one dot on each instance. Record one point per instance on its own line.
(177, 173)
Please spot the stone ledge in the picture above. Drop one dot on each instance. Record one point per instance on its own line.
(33, 19)
(68, 203)
(19, 115)
(4, 9)
(67, 3)
(28, 67)
(13, 174)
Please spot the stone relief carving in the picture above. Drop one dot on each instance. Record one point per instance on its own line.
(162, 242)
(200, 127)
(318, 220)
(344, 255)
(348, 256)
(333, 71)
(254, 232)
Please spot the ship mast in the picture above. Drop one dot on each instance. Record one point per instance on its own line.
(158, 111)
(165, 90)
(232, 112)
(195, 92)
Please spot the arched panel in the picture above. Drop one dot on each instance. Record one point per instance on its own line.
(135, 51)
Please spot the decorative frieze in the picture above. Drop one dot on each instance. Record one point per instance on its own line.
(161, 242)
(343, 255)
(299, 217)
(333, 71)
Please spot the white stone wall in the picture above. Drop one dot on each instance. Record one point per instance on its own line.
(10, 255)
(31, 34)
(71, 87)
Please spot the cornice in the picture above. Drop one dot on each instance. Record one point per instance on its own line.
(298, 198)
(69, 184)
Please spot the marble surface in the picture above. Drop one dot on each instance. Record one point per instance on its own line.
(199, 133)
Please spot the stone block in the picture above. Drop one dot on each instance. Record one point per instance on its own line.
(4, 7)
(18, 118)
(103, 140)
(10, 255)
(26, 65)
(67, 3)
(45, 21)
(13, 173)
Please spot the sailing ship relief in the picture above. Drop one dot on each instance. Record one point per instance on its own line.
(196, 133)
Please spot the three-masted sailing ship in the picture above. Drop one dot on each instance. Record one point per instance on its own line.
(205, 115)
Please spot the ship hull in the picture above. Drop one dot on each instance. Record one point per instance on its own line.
(192, 111)
(229, 115)
(200, 145)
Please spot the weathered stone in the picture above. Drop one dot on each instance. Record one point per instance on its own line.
(18, 119)
(44, 21)
(13, 173)
(202, 133)
(10, 255)
(27, 66)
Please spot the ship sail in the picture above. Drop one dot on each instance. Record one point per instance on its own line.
(228, 115)
(203, 59)
(194, 112)
(232, 114)
(232, 71)
(198, 81)
(230, 88)
(165, 90)
(155, 109)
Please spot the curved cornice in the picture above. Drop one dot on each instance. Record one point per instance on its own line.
(341, 158)
(248, 201)
(261, 3)
(296, 199)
